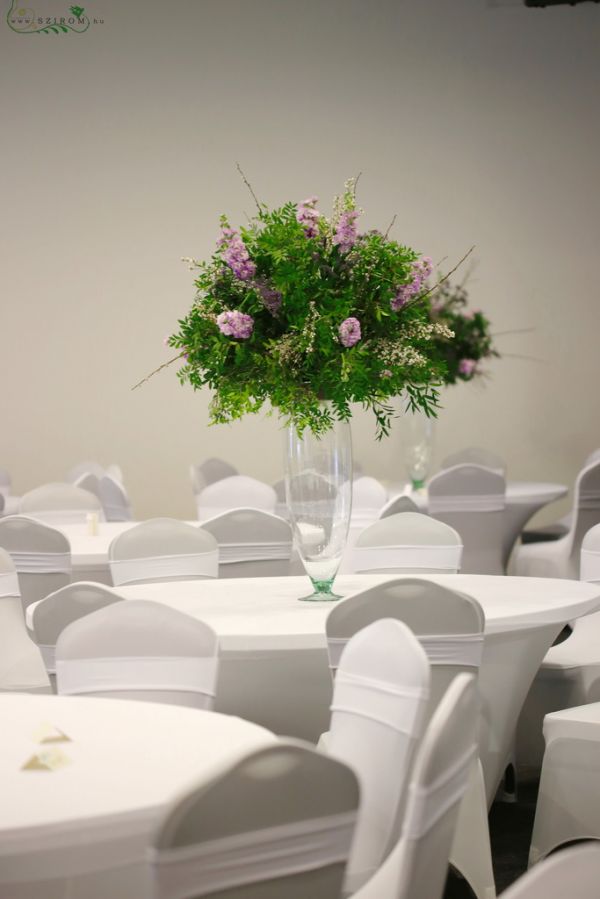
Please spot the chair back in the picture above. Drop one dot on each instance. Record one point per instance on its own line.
(252, 543)
(417, 867)
(369, 496)
(89, 482)
(471, 499)
(279, 822)
(572, 872)
(399, 504)
(83, 468)
(209, 471)
(476, 455)
(586, 511)
(448, 624)
(162, 549)
(140, 650)
(378, 712)
(114, 499)
(590, 556)
(21, 666)
(407, 542)
(115, 471)
(53, 614)
(234, 492)
(5, 483)
(60, 504)
(41, 556)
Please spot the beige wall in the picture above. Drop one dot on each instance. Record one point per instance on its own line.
(474, 124)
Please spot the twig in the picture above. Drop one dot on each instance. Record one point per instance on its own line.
(156, 370)
(512, 331)
(441, 281)
(528, 358)
(390, 226)
(248, 185)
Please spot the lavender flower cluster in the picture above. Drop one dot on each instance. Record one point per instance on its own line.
(308, 216)
(345, 233)
(235, 324)
(421, 270)
(235, 254)
(349, 332)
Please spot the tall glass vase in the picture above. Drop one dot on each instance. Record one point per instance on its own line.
(318, 483)
(417, 437)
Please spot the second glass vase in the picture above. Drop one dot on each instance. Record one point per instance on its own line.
(318, 482)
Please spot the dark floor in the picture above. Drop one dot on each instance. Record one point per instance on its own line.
(510, 830)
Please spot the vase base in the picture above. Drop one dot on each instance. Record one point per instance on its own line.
(320, 597)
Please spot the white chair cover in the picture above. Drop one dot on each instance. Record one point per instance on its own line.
(251, 542)
(141, 650)
(162, 549)
(466, 488)
(89, 482)
(83, 468)
(475, 455)
(407, 542)
(208, 472)
(5, 483)
(41, 556)
(370, 559)
(418, 865)
(368, 497)
(590, 556)
(233, 493)
(377, 715)
(276, 838)
(399, 504)
(21, 666)
(573, 872)
(59, 504)
(115, 501)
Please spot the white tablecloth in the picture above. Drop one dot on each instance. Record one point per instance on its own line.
(274, 663)
(127, 761)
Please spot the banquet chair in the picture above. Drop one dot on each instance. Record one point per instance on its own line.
(114, 499)
(83, 468)
(162, 549)
(471, 499)
(563, 525)
(408, 542)
(476, 455)
(115, 471)
(277, 824)
(50, 616)
(399, 504)
(560, 558)
(568, 803)
(5, 482)
(252, 543)
(233, 493)
(573, 872)
(60, 504)
(41, 555)
(90, 482)
(210, 471)
(417, 866)
(450, 626)
(569, 676)
(21, 665)
(137, 649)
(369, 496)
(378, 710)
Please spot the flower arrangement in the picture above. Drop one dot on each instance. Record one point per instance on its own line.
(296, 307)
(472, 342)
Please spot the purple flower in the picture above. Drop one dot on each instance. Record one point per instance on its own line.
(467, 367)
(386, 373)
(349, 332)
(236, 255)
(308, 216)
(235, 324)
(271, 298)
(420, 271)
(345, 232)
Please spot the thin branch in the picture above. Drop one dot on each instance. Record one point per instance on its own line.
(528, 358)
(248, 185)
(441, 281)
(443, 259)
(156, 370)
(512, 331)
(390, 226)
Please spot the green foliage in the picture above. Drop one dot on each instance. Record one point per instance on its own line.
(303, 286)
(472, 341)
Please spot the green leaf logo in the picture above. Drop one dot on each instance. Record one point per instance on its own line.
(77, 10)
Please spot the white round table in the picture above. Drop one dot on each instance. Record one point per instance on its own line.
(274, 666)
(126, 762)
